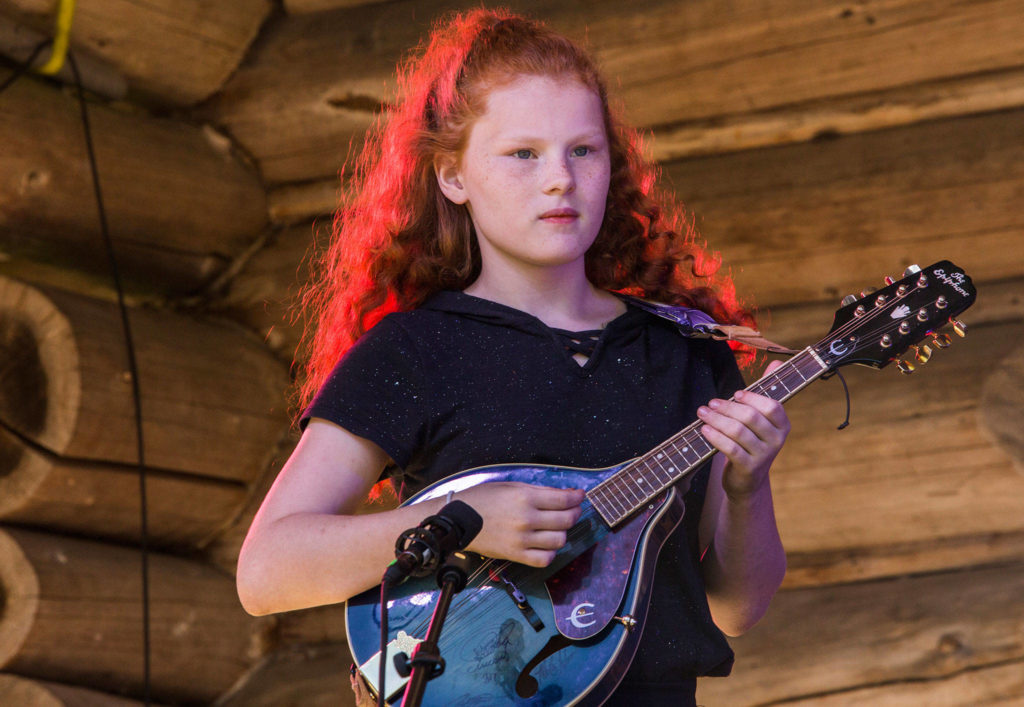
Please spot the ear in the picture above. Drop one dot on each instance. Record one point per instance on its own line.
(449, 178)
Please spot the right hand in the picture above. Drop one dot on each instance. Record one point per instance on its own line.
(522, 522)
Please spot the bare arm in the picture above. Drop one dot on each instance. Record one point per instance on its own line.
(745, 562)
(306, 548)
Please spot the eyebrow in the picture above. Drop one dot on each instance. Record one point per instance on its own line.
(590, 136)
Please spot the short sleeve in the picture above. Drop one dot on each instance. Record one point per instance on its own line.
(377, 391)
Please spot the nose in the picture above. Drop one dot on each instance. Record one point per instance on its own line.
(559, 177)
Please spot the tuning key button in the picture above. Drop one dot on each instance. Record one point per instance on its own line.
(889, 280)
(886, 341)
(849, 299)
(941, 302)
(906, 367)
(922, 353)
(959, 327)
(942, 341)
(911, 270)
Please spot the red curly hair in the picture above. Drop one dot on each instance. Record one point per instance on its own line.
(398, 240)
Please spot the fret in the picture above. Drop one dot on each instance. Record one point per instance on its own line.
(664, 476)
(628, 487)
(618, 496)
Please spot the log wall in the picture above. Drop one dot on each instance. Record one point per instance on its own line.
(821, 146)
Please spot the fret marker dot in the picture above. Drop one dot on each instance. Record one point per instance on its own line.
(671, 468)
(660, 455)
(774, 387)
(686, 449)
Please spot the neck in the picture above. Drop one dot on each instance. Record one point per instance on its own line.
(562, 298)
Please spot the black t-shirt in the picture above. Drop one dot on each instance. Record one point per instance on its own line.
(463, 382)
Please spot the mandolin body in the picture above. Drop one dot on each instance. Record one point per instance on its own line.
(583, 615)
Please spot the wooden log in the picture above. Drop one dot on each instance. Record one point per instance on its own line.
(178, 205)
(264, 293)
(19, 42)
(913, 484)
(43, 490)
(171, 51)
(1001, 413)
(687, 65)
(817, 221)
(895, 634)
(302, 6)
(73, 613)
(1003, 684)
(212, 395)
(24, 692)
(312, 676)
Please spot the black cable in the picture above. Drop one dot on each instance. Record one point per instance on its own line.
(25, 66)
(133, 370)
(846, 390)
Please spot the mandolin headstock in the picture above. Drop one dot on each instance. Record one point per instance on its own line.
(876, 328)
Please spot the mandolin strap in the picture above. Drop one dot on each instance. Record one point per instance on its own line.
(699, 325)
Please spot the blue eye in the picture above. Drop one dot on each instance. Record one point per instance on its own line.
(523, 154)
(581, 151)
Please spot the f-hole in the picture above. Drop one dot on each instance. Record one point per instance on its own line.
(526, 684)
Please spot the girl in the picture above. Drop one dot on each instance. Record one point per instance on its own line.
(497, 207)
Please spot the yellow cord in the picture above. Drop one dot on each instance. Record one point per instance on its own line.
(60, 40)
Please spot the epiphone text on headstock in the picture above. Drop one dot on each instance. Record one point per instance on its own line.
(954, 280)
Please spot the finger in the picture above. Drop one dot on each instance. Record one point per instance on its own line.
(736, 441)
(536, 558)
(748, 413)
(547, 498)
(546, 540)
(556, 520)
(741, 423)
(772, 410)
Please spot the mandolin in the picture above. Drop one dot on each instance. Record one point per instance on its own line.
(565, 634)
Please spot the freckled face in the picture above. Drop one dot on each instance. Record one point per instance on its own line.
(534, 174)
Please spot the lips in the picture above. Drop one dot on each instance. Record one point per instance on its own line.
(560, 215)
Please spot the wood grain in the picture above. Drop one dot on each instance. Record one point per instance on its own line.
(178, 205)
(171, 51)
(884, 639)
(81, 621)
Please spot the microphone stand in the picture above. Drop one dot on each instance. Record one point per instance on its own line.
(426, 662)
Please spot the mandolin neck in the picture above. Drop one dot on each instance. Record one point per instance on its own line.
(642, 479)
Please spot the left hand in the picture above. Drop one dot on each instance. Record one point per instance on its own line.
(749, 430)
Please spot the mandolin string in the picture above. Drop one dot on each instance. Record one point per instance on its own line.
(615, 483)
(480, 608)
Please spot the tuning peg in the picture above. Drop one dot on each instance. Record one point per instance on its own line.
(942, 341)
(959, 327)
(889, 280)
(922, 353)
(865, 292)
(911, 270)
(849, 299)
(906, 367)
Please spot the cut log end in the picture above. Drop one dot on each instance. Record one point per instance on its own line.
(39, 372)
(22, 379)
(19, 598)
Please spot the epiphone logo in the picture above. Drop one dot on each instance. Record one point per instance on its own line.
(954, 280)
